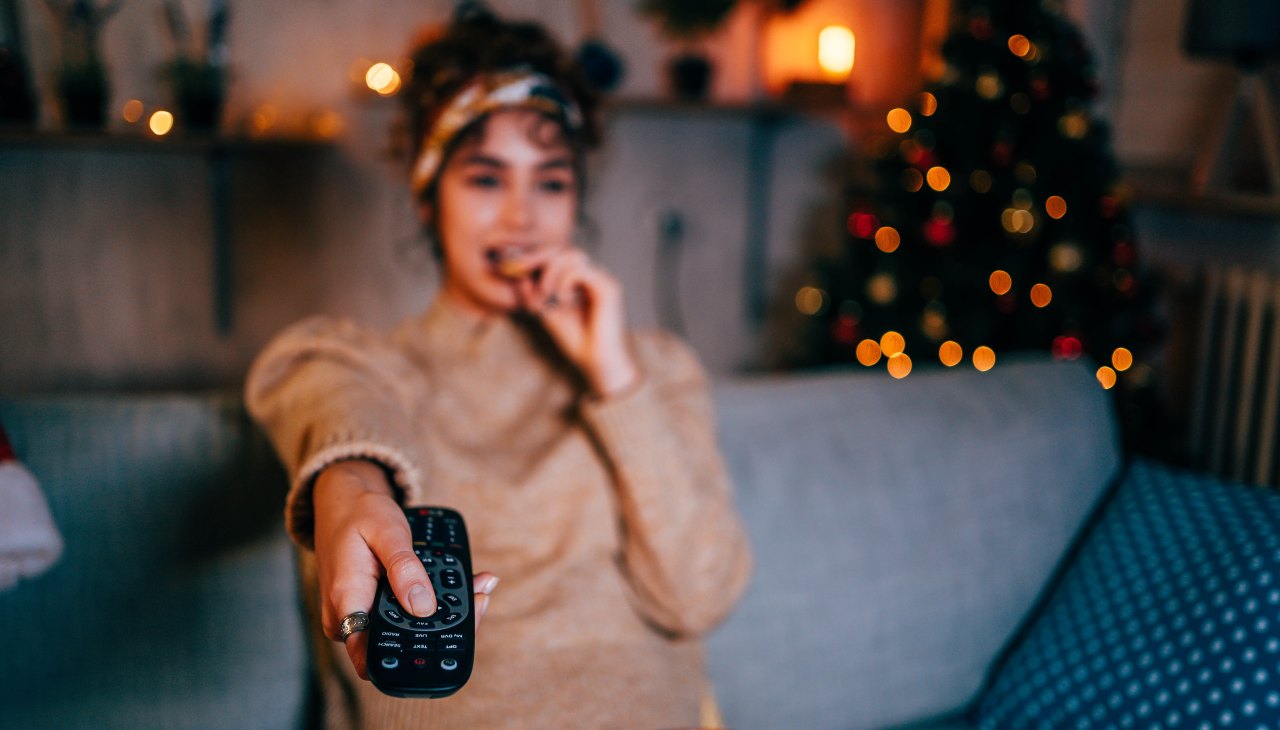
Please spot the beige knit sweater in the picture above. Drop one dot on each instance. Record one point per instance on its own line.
(610, 522)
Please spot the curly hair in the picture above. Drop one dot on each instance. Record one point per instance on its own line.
(475, 42)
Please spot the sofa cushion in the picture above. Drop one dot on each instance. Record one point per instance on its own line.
(902, 529)
(1169, 615)
(175, 603)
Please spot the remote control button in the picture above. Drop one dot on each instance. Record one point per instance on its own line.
(390, 645)
(452, 618)
(422, 623)
(389, 635)
(450, 560)
(451, 599)
(451, 579)
(419, 662)
(448, 664)
(451, 646)
(390, 662)
(393, 615)
(420, 646)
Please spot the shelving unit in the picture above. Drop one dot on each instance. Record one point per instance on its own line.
(216, 150)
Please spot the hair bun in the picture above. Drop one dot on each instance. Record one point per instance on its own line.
(474, 13)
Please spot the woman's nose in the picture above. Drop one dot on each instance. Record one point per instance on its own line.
(517, 210)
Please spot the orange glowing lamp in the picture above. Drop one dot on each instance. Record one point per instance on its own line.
(836, 45)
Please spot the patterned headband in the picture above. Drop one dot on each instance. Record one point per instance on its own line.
(518, 88)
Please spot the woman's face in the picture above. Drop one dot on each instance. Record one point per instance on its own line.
(509, 195)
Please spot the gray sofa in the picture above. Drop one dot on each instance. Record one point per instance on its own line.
(903, 530)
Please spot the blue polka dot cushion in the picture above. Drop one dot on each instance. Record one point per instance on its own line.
(1167, 617)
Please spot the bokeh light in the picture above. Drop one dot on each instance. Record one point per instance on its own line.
(980, 181)
(1000, 282)
(133, 110)
(1107, 377)
(899, 120)
(888, 239)
(939, 179)
(899, 365)
(1066, 257)
(882, 288)
(950, 353)
(382, 78)
(1019, 45)
(1041, 295)
(836, 45)
(868, 352)
(811, 300)
(161, 122)
(988, 85)
(1055, 206)
(1122, 359)
(912, 180)
(928, 104)
(984, 358)
(892, 343)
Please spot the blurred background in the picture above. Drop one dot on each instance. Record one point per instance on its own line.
(179, 180)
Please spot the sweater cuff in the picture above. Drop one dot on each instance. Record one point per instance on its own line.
(627, 423)
(405, 477)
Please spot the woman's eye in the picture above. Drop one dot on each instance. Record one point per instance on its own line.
(483, 181)
(554, 186)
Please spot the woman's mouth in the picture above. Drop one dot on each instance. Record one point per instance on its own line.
(512, 262)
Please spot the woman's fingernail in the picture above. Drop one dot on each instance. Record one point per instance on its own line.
(420, 603)
(483, 606)
(491, 584)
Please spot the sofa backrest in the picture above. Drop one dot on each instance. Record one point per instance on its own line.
(175, 601)
(902, 529)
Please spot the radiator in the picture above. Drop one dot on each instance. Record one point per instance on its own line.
(1235, 408)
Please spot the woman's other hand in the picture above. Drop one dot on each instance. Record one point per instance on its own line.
(580, 305)
(360, 534)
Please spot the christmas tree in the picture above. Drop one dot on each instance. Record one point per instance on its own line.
(989, 218)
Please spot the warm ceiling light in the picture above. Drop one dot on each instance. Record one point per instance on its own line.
(835, 51)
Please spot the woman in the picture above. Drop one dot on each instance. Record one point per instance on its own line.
(582, 455)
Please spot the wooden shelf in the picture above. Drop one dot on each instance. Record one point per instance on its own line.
(214, 150)
(137, 141)
(1169, 186)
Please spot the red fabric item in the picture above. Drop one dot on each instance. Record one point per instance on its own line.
(6, 451)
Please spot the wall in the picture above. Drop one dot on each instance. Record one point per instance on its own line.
(105, 255)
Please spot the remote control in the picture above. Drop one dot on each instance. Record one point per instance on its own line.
(427, 656)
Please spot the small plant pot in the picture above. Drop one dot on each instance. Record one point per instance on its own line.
(199, 95)
(84, 95)
(690, 76)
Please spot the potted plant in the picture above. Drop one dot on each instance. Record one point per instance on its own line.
(82, 77)
(198, 73)
(688, 22)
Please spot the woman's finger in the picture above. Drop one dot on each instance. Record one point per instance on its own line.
(484, 584)
(356, 645)
(392, 543)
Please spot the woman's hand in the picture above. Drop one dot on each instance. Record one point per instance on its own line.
(360, 534)
(580, 305)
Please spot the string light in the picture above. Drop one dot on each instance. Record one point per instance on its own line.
(1000, 282)
(1107, 377)
(882, 288)
(1074, 125)
(1041, 295)
(1016, 220)
(892, 343)
(1055, 206)
(899, 120)
(888, 239)
(811, 300)
(1019, 45)
(984, 358)
(868, 352)
(950, 353)
(928, 104)
(912, 180)
(939, 179)
(989, 86)
(980, 181)
(1122, 359)
(899, 365)
(133, 110)
(1065, 257)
